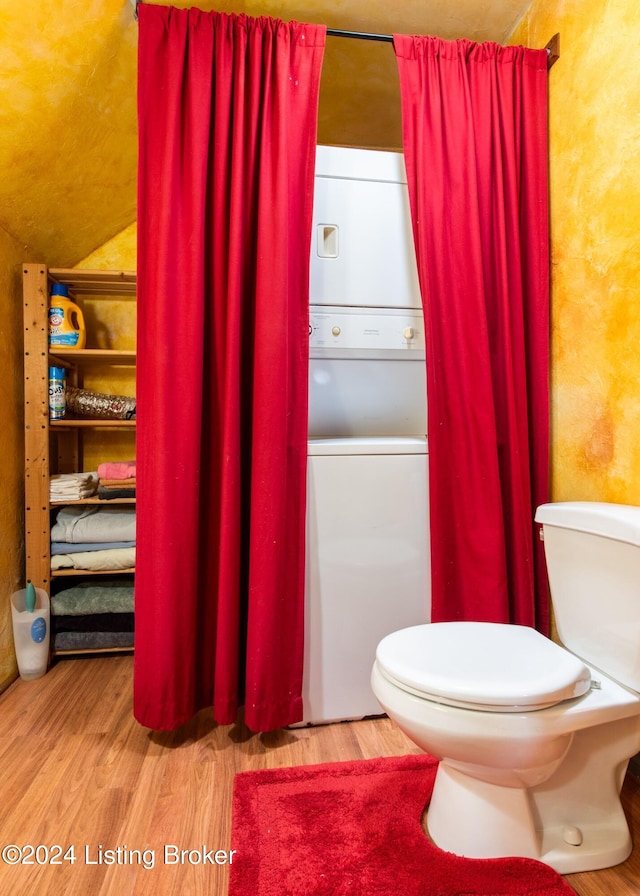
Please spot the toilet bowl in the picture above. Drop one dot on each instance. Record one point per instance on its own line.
(533, 737)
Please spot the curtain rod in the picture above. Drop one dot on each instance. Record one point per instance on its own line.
(360, 35)
(552, 48)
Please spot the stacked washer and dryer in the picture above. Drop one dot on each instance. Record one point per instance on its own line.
(367, 563)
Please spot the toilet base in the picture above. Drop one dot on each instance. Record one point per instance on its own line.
(471, 817)
(475, 819)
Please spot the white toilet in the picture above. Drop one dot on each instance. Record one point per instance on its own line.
(534, 739)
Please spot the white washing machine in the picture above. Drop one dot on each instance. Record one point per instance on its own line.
(368, 558)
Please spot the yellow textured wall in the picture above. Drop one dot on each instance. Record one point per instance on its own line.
(67, 124)
(119, 253)
(117, 327)
(594, 92)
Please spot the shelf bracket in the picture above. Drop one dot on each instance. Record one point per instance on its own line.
(553, 50)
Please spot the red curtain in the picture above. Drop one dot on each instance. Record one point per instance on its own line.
(227, 133)
(475, 141)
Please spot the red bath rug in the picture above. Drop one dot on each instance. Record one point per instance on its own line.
(353, 829)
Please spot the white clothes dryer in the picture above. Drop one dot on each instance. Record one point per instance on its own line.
(362, 248)
(367, 374)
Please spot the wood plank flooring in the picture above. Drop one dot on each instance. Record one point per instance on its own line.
(77, 770)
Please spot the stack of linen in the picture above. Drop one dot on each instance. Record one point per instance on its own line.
(72, 486)
(117, 479)
(90, 616)
(95, 537)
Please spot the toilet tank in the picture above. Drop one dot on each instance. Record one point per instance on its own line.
(593, 561)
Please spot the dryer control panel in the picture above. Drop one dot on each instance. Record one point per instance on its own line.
(367, 372)
(375, 332)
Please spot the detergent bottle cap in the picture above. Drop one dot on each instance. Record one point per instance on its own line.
(59, 289)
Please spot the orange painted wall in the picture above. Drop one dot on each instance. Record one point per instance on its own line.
(594, 94)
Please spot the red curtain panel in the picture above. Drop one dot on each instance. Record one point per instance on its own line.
(474, 120)
(227, 133)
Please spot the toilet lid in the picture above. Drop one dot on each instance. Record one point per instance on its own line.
(482, 665)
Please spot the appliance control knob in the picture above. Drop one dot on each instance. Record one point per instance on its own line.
(408, 333)
(335, 331)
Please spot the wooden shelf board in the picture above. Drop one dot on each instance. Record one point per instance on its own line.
(93, 422)
(113, 502)
(59, 573)
(88, 651)
(96, 283)
(86, 356)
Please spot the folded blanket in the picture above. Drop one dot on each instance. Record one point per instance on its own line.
(64, 547)
(117, 469)
(118, 558)
(95, 523)
(93, 631)
(92, 640)
(88, 598)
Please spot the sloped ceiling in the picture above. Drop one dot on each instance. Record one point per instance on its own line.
(68, 100)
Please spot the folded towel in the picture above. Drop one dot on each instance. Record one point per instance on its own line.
(72, 486)
(92, 640)
(88, 598)
(64, 547)
(117, 469)
(116, 558)
(92, 632)
(111, 494)
(94, 523)
(118, 483)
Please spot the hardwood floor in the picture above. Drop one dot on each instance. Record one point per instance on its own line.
(78, 771)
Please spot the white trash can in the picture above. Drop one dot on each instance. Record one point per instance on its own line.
(31, 633)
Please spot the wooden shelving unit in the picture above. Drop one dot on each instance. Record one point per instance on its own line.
(56, 446)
